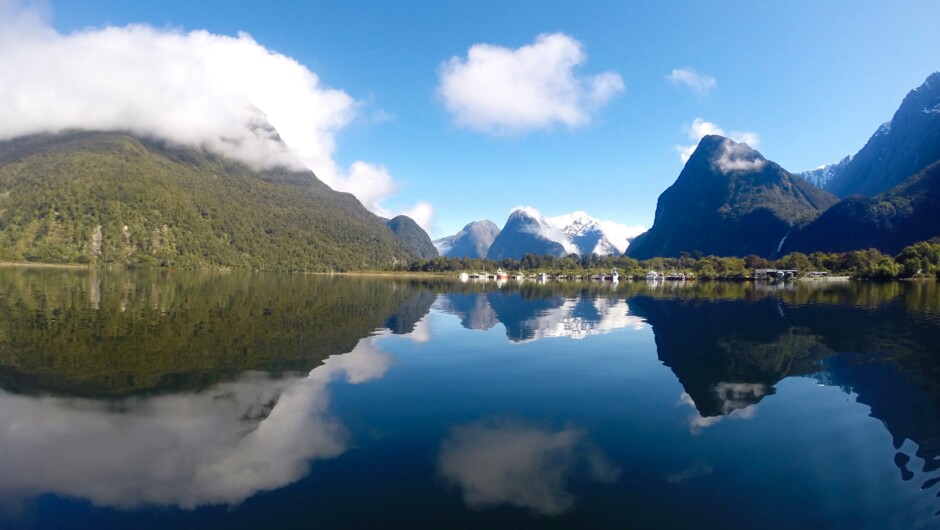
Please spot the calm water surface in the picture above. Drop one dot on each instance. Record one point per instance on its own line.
(152, 400)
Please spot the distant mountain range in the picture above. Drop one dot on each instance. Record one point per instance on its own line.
(527, 231)
(729, 200)
(112, 197)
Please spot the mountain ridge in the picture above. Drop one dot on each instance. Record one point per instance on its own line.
(730, 201)
(113, 197)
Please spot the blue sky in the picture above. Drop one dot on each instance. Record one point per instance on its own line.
(810, 80)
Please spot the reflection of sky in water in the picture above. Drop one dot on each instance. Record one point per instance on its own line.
(595, 428)
(221, 445)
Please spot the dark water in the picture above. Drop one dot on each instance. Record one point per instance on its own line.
(150, 400)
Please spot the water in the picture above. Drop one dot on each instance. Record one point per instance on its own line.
(155, 400)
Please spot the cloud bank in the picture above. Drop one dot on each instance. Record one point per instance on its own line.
(215, 91)
(514, 91)
(699, 83)
(700, 128)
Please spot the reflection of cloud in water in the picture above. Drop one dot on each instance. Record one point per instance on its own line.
(219, 446)
(737, 402)
(699, 469)
(564, 321)
(499, 462)
(422, 330)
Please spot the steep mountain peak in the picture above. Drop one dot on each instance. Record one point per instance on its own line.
(727, 156)
(473, 241)
(899, 148)
(527, 231)
(729, 200)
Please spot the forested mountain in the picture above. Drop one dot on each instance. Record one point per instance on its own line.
(729, 201)
(110, 197)
(412, 236)
(889, 221)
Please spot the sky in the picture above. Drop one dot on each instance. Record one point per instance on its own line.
(457, 111)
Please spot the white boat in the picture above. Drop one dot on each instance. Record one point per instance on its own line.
(654, 276)
(501, 274)
(541, 277)
(614, 276)
(464, 276)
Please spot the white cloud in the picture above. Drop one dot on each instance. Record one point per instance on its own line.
(738, 157)
(498, 462)
(546, 230)
(505, 91)
(700, 128)
(193, 88)
(699, 83)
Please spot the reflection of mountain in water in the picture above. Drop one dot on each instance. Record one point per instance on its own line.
(528, 317)
(473, 309)
(729, 354)
(112, 334)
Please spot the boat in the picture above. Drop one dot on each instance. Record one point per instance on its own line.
(464, 276)
(541, 277)
(501, 274)
(676, 277)
(614, 276)
(654, 276)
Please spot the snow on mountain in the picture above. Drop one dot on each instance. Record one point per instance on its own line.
(822, 175)
(592, 235)
(527, 231)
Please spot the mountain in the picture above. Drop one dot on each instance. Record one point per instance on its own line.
(412, 236)
(110, 197)
(888, 221)
(593, 236)
(473, 241)
(729, 201)
(525, 232)
(899, 149)
(823, 175)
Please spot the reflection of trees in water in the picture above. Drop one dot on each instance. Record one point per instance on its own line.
(96, 333)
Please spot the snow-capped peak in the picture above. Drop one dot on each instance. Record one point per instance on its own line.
(593, 235)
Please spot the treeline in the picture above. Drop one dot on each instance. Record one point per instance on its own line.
(918, 260)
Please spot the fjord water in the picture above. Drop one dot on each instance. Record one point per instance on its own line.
(155, 400)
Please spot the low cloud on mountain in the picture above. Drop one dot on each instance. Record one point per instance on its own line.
(197, 88)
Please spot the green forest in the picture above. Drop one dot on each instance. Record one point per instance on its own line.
(918, 260)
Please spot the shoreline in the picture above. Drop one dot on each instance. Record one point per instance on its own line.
(33, 265)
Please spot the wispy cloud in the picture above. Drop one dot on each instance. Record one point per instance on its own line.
(195, 88)
(513, 91)
(701, 84)
(700, 128)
